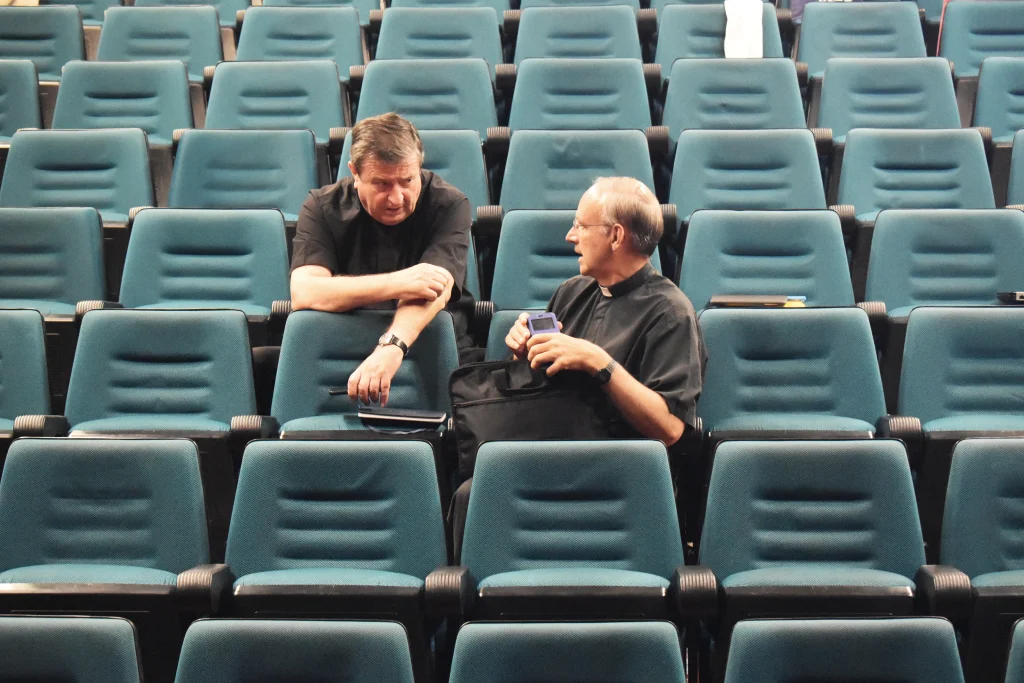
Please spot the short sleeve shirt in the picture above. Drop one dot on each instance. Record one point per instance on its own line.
(336, 232)
(648, 326)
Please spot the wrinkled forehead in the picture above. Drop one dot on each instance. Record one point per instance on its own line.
(375, 169)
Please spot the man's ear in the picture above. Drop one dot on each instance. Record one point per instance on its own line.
(618, 236)
(352, 170)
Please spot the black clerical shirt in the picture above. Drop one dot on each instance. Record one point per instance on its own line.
(336, 232)
(648, 326)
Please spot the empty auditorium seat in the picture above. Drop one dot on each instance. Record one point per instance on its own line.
(49, 36)
(440, 33)
(104, 169)
(580, 94)
(195, 258)
(297, 95)
(979, 532)
(732, 94)
(99, 526)
(293, 33)
(777, 530)
(769, 170)
(698, 32)
(587, 653)
(962, 376)
(239, 650)
(450, 94)
(575, 567)
(882, 93)
(1015, 186)
(501, 323)
(801, 372)
(792, 253)
(883, 650)
(23, 379)
(19, 101)
(996, 107)
(50, 259)
(343, 529)
(974, 31)
(533, 259)
(188, 34)
(152, 96)
(244, 169)
(914, 169)
(91, 10)
(529, 4)
(606, 32)
(875, 29)
(226, 9)
(1015, 666)
(364, 7)
(94, 650)
(321, 350)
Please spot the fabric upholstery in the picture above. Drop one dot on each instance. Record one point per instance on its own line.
(19, 97)
(530, 4)
(330, 576)
(600, 32)
(803, 576)
(96, 650)
(973, 32)
(24, 386)
(91, 10)
(699, 33)
(49, 36)
(1015, 189)
(997, 105)
(89, 573)
(291, 33)
(501, 323)
(441, 33)
(187, 34)
(363, 7)
(1015, 667)
(574, 576)
(533, 258)
(226, 9)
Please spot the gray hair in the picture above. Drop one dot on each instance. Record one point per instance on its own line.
(388, 138)
(631, 204)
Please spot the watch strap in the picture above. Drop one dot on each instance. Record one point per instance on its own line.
(389, 339)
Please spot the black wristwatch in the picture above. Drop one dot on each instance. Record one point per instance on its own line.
(388, 339)
(604, 375)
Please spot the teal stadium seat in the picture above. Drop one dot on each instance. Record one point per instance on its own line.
(95, 650)
(608, 32)
(975, 31)
(186, 34)
(48, 36)
(440, 33)
(298, 33)
(23, 379)
(19, 100)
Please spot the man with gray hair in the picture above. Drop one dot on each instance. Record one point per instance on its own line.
(392, 236)
(621, 321)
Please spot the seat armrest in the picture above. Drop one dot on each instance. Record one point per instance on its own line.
(134, 211)
(83, 307)
(657, 142)
(986, 139)
(1015, 207)
(647, 23)
(505, 79)
(695, 591)
(40, 425)
(200, 589)
(337, 139)
(208, 73)
(944, 591)
(823, 141)
(801, 74)
(355, 77)
(376, 19)
(496, 146)
(879, 320)
(449, 592)
(670, 218)
(784, 17)
(510, 25)
(653, 81)
(488, 221)
(251, 427)
(908, 430)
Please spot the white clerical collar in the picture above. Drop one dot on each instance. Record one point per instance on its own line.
(605, 292)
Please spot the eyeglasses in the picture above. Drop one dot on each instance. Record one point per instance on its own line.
(578, 227)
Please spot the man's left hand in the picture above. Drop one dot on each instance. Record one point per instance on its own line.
(372, 379)
(565, 353)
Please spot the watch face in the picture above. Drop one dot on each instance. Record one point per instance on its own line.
(385, 338)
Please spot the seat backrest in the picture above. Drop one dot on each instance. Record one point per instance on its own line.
(19, 97)
(244, 169)
(363, 7)
(945, 258)
(530, 4)
(587, 653)
(980, 525)
(440, 33)
(605, 32)
(858, 29)
(301, 95)
(922, 650)
(381, 496)
(769, 170)
(1015, 666)
(1015, 187)
(914, 169)
(996, 107)
(882, 93)
(501, 323)
(94, 650)
(733, 94)
(91, 10)
(778, 504)
(533, 258)
(49, 36)
(187, 34)
(698, 32)
(292, 33)
(51, 255)
(152, 96)
(552, 169)
(24, 387)
(575, 491)
(962, 361)
(226, 9)
(160, 365)
(796, 253)
(198, 258)
(974, 31)
(107, 170)
(240, 650)
(790, 361)
(125, 502)
(434, 94)
(580, 94)
(321, 350)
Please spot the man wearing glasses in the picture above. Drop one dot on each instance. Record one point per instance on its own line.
(621, 321)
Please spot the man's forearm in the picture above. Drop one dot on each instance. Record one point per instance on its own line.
(643, 408)
(339, 294)
(412, 317)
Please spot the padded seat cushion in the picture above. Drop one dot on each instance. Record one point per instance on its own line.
(797, 421)
(976, 423)
(574, 577)
(340, 422)
(330, 576)
(89, 573)
(151, 423)
(6, 425)
(44, 307)
(1009, 578)
(816, 575)
(244, 307)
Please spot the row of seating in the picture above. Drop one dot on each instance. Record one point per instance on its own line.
(355, 529)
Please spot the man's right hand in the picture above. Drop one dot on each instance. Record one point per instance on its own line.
(424, 281)
(518, 336)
